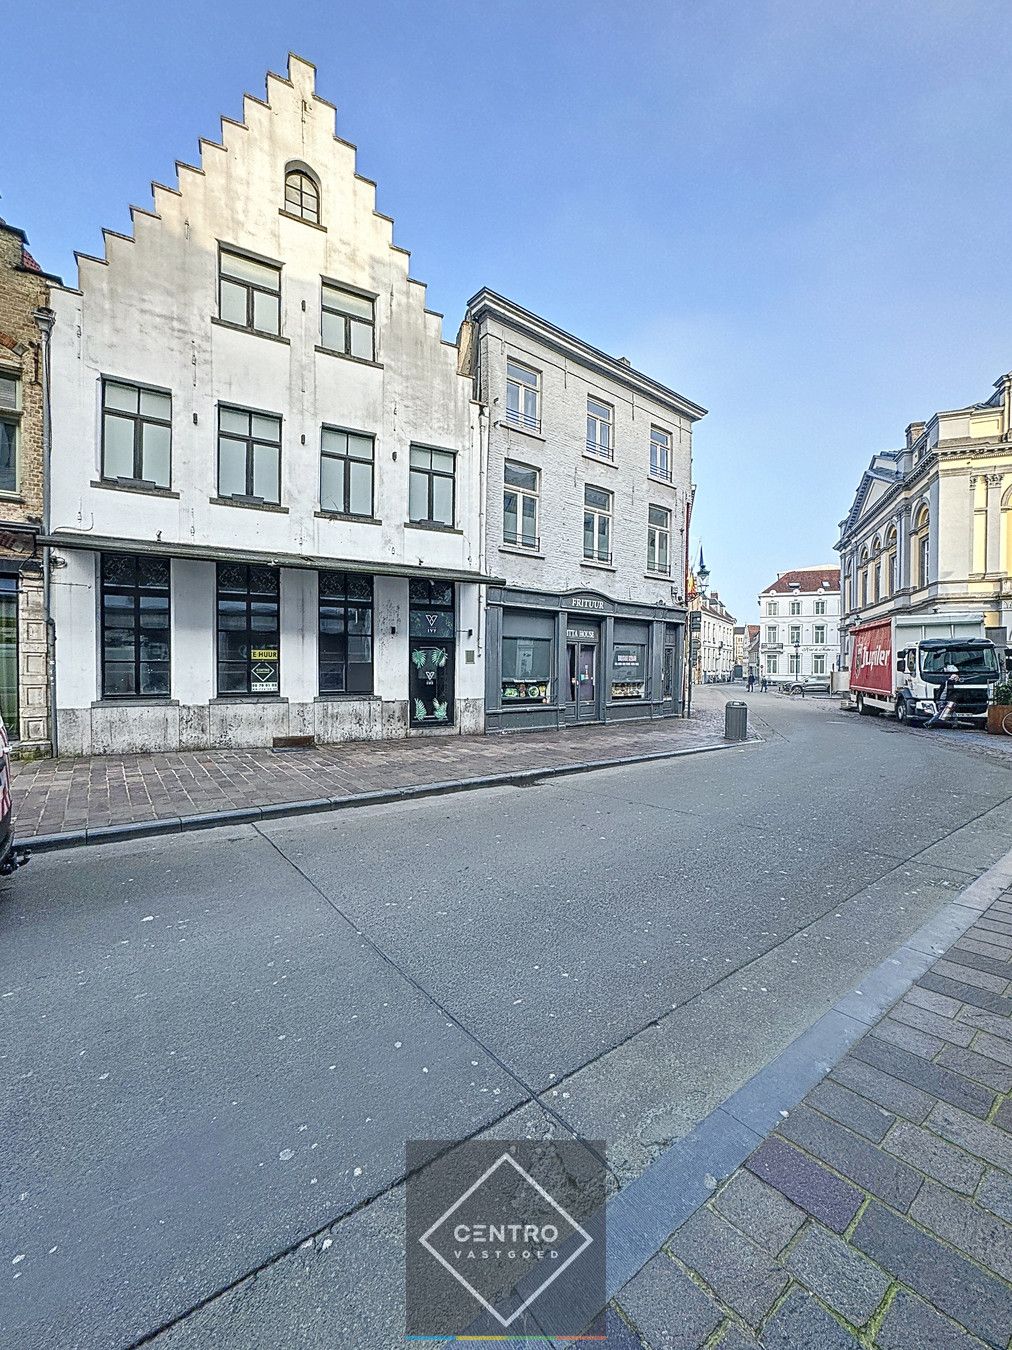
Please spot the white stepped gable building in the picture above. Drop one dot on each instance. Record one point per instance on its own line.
(799, 621)
(265, 507)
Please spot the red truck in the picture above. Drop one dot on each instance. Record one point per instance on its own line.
(898, 665)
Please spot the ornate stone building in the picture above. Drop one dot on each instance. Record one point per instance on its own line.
(930, 528)
(25, 322)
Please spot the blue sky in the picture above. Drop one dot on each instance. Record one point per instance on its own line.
(796, 213)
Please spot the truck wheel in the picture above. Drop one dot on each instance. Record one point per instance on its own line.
(861, 709)
(902, 711)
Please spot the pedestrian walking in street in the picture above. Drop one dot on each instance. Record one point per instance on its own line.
(946, 702)
(751, 682)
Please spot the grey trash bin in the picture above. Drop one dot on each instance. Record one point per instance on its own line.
(736, 721)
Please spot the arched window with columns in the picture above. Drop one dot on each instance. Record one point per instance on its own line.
(890, 560)
(920, 546)
(876, 570)
(863, 575)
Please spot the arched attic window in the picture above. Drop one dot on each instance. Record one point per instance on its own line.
(302, 193)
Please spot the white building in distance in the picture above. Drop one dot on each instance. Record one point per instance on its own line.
(799, 618)
(265, 495)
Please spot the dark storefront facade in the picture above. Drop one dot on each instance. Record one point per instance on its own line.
(575, 658)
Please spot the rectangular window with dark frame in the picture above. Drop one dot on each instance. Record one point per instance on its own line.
(10, 422)
(348, 323)
(135, 626)
(249, 455)
(345, 653)
(659, 540)
(248, 630)
(136, 434)
(249, 292)
(521, 485)
(431, 488)
(346, 472)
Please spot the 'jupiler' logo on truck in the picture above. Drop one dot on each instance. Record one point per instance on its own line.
(872, 656)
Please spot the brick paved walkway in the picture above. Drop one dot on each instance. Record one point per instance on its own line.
(880, 1211)
(54, 796)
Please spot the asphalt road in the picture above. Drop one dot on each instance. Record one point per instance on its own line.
(214, 1046)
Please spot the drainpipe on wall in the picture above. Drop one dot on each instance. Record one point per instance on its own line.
(45, 318)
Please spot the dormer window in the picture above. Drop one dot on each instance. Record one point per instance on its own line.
(302, 196)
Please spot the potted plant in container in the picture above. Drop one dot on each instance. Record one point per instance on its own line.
(1000, 708)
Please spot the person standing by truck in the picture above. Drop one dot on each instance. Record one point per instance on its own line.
(946, 699)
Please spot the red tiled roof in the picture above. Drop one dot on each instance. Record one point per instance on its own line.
(28, 261)
(805, 579)
(753, 631)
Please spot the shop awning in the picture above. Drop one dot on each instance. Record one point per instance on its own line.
(204, 553)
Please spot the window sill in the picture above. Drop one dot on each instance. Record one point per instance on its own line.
(14, 497)
(433, 526)
(347, 698)
(659, 478)
(347, 356)
(524, 431)
(600, 566)
(349, 516)
(519, 551)
(657, 576)
(133, 485)
(253, 332)
(249, 504)
(229, 699)
(607, 460)
(301, 220)
(135, 701)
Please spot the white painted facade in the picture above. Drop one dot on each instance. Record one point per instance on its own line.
(148, 314)
(716, 639)
(799, 622)
(607, 599)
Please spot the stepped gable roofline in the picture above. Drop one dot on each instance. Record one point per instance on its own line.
(805, 581)
(499, 306)
(297, 66)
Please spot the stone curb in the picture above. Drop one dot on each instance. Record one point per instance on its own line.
(110, 834)
(644, 1214)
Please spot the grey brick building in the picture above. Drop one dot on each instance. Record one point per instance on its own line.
(587, 492)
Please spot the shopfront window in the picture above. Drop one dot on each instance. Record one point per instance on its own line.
(629, 670)
(526, 670)
(431, 646)
(135, 626)
(345, 651)
(9, 654)
(248, 631)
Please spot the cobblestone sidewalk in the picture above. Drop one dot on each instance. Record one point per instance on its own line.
(879, 1213)
(56, 796)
